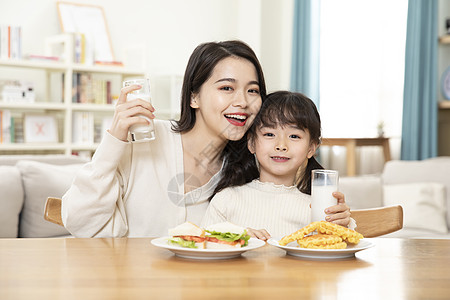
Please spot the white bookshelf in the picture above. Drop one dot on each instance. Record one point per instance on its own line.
(64, 109)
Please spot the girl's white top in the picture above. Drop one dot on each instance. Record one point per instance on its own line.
(134, 189)
(279, 209)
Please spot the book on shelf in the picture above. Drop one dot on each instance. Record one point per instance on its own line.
(38, 57)
(88, 89)
(79, 48)
(75, 95)
(6, 127)
(109, 63)
(56, 87)
(83, 127)
(10, 42)
(17, 131)
(11, 128)
(101, 127)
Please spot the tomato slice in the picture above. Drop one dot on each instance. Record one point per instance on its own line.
(196, 239)
(215, 240)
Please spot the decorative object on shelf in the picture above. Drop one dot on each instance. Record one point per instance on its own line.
(40, 129)
(445, 84)
(380, 129)
(90, 21)
(17, 91)
(61, 46)
(6, 127)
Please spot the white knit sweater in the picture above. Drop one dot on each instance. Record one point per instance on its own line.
(134, 190)
(279, 209)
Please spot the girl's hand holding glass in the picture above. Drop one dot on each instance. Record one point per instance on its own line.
(340, 213)
(126, 113)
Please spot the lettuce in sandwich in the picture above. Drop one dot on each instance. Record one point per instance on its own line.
(225, 235)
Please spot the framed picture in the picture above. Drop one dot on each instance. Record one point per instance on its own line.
(40, 129)
(91, 22)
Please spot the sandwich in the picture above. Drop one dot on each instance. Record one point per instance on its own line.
(226, 236)
(188, 235)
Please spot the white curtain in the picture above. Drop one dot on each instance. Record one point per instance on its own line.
(361, 76)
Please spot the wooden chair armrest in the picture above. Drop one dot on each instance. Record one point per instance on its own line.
(375, 222)
(52, 211)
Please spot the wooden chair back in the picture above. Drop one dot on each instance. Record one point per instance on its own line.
(370, 222)
(52, 211)
(378, 221)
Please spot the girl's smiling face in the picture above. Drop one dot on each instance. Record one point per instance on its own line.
(281, 151)
(229, 100)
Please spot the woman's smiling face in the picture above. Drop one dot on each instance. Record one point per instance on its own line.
(229, 100)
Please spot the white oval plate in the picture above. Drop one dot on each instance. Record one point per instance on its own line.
(293, 249)
(206, 253)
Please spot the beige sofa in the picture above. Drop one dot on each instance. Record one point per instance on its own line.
(422, 188)
(26, 182)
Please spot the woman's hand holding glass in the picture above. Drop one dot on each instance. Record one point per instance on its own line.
(126, 113)
(340, 213)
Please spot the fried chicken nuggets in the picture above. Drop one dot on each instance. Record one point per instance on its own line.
(330, 236)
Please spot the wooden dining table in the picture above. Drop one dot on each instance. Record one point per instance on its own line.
(133, 268)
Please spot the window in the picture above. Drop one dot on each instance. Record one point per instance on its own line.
(362, 54)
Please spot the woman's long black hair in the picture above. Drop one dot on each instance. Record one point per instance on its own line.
(199, 69)
(279, 108)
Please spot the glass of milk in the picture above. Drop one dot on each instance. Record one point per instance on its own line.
(139, 132)
(323, 184)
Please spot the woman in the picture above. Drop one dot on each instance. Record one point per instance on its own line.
(143, 189)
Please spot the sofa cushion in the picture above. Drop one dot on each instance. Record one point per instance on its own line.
(11, 201)
(42, 180)
(417, 234)
(54, 159)
(362, 192)
(430, 170)
(423, 204)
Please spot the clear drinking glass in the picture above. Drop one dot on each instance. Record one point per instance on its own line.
(139, 132)
(323, 184)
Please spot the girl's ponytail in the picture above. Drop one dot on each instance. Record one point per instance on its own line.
(305, 183)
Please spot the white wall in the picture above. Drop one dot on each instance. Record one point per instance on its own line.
(276, 39)
(170, 30)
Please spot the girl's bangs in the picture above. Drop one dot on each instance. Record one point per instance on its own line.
(283, 113)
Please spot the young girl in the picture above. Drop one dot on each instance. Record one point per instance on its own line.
(143, 189)
(283, 138)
